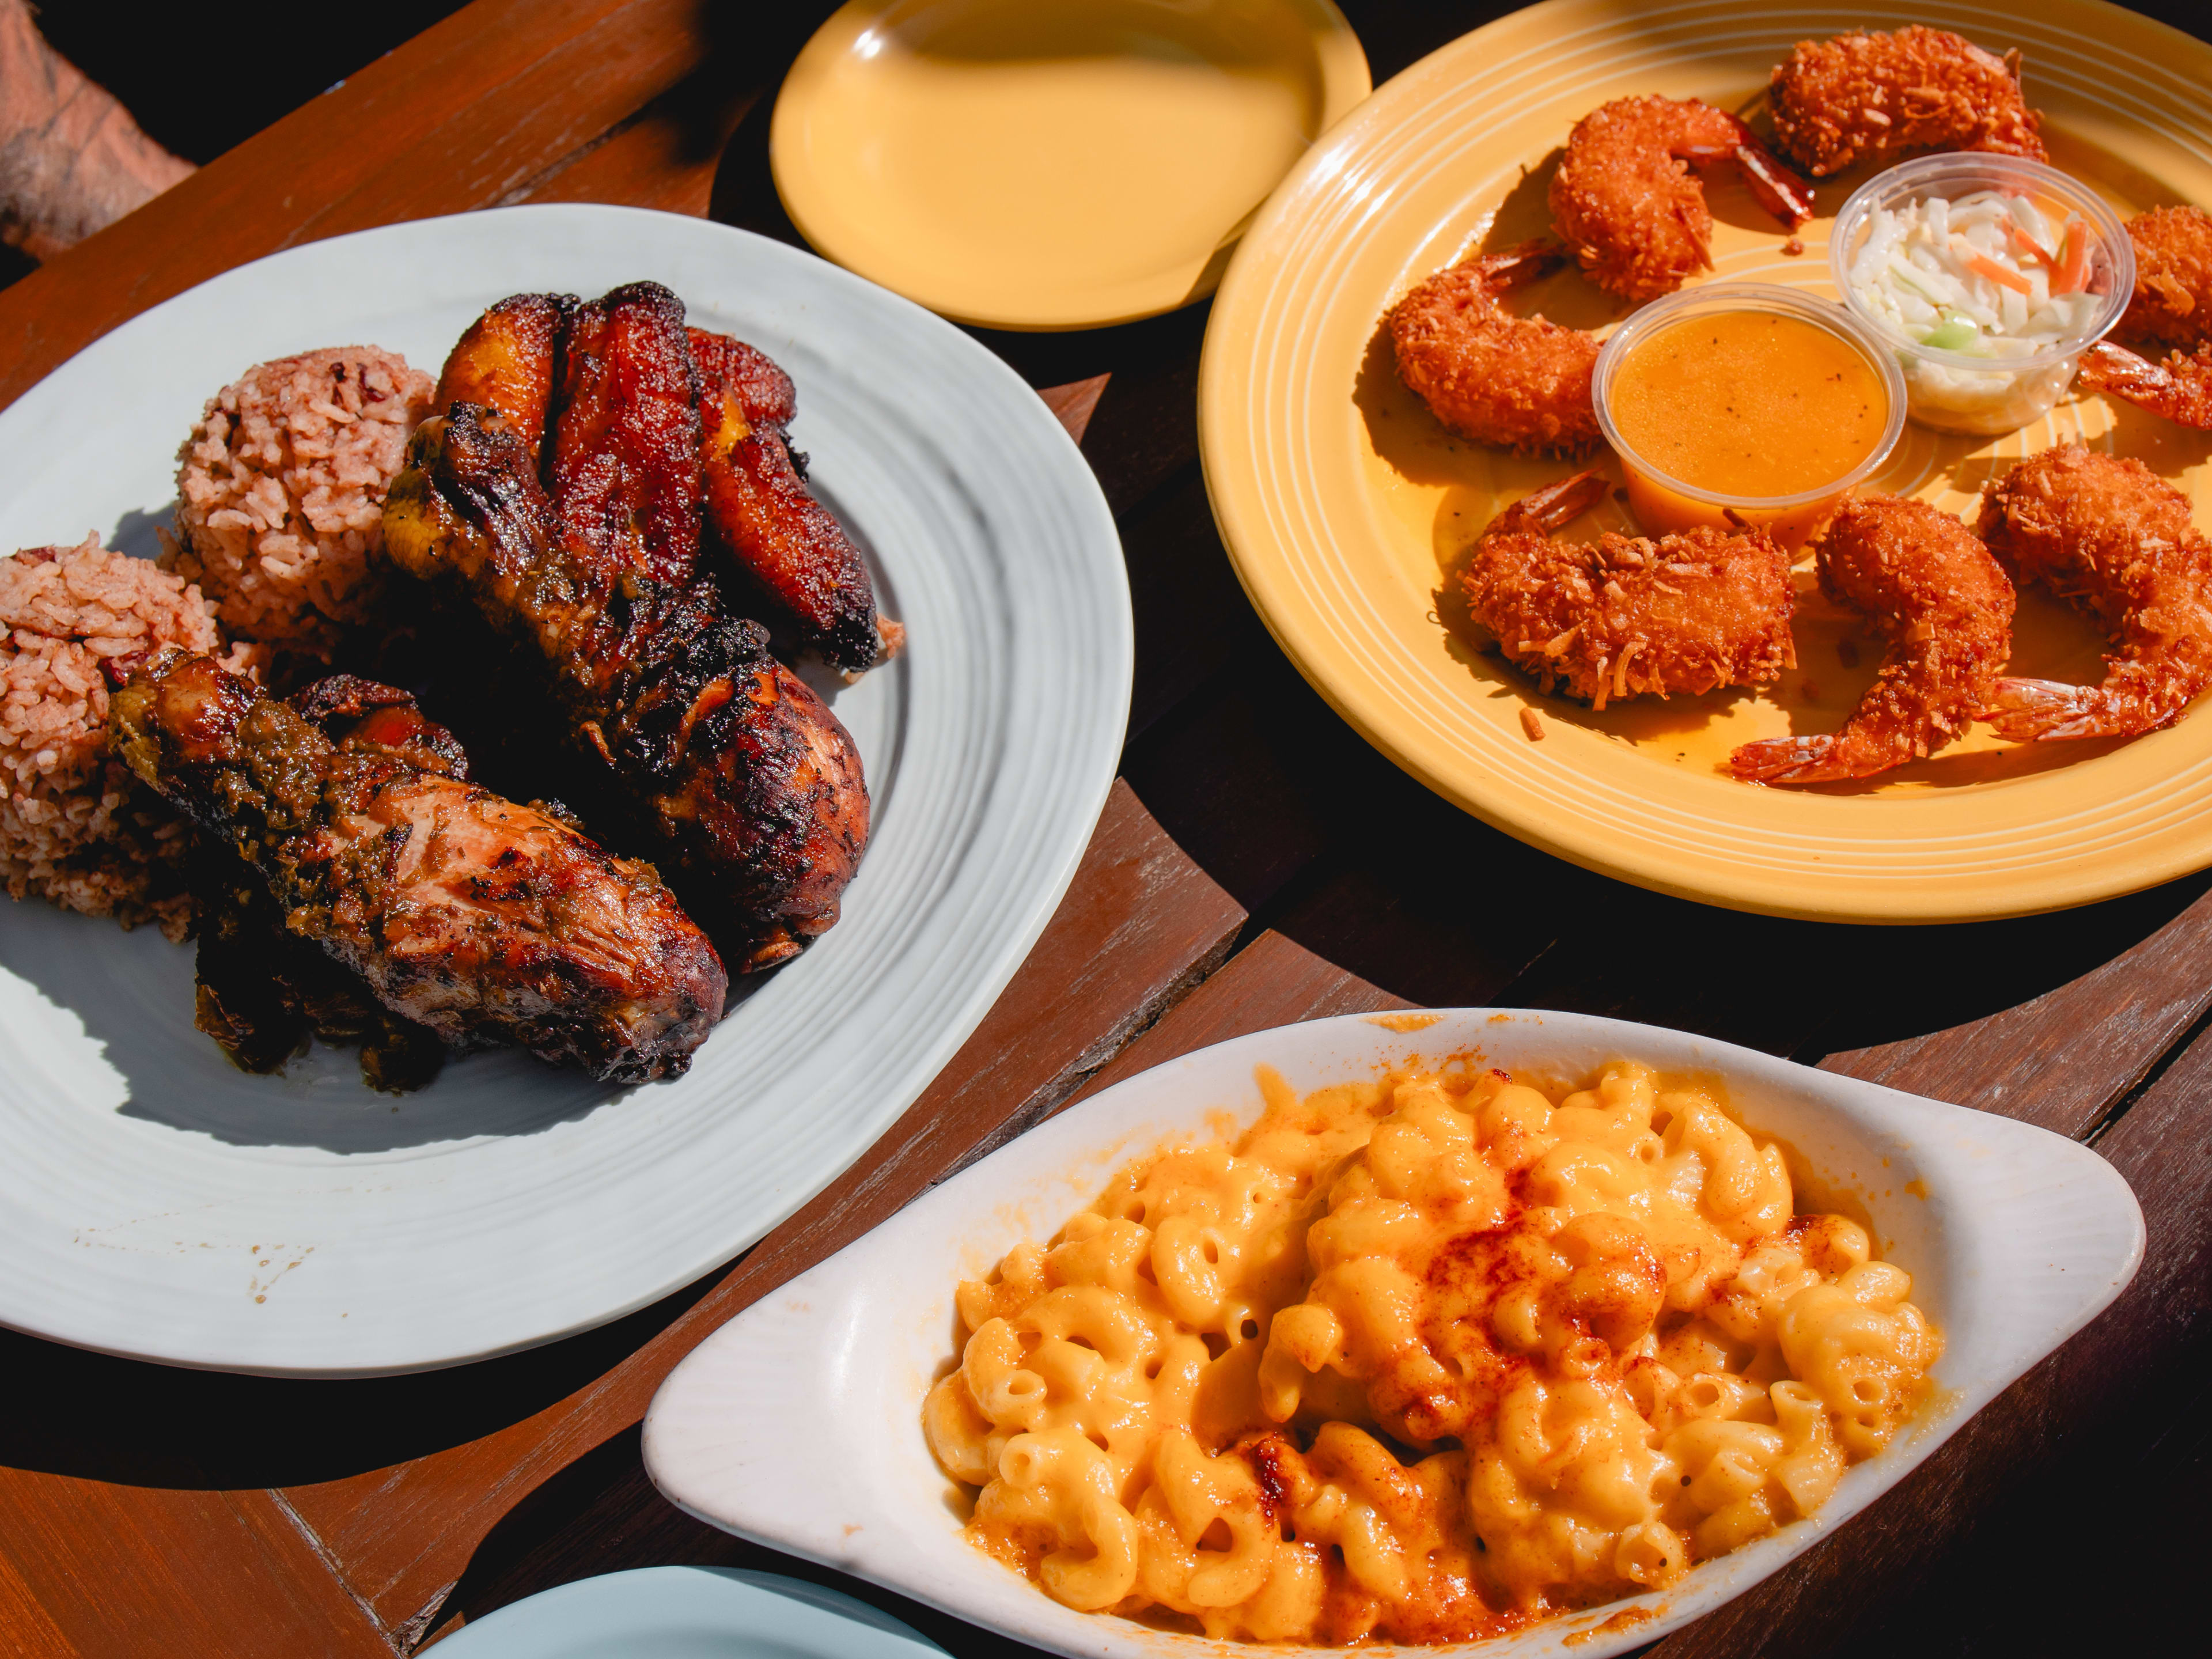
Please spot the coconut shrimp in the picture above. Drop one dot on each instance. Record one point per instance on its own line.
(1626, 616)
(2171, 305)
(1490, 375)
(1836, 102)
(1924, 580)
(1624, 200)
(2116, 539)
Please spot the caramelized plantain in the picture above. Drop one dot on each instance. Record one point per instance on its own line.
(788, 545)
(506, 363)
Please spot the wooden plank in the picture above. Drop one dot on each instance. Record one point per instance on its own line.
(601, 1513)
(29, 1629)
(2064, 1059)
(1075, 403)
(1140, 926)
(666, 158)
(469, 112)
(1274, 981)
(1959, 1558)
(115, 1571)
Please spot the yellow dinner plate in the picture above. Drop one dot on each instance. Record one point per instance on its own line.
(1048, 164)
(1347, 508)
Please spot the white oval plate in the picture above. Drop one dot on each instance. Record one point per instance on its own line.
(687, 1613)
(156, 1202)
(798, 1423)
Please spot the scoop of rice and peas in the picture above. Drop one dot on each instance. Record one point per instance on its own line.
(278, 553)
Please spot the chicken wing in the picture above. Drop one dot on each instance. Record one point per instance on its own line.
(470, 915)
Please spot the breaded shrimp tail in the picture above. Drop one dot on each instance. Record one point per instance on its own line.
(1945, 605)
(2116, 539)
(1624, 200)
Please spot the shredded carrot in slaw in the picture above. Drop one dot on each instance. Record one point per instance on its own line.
(1982, 266)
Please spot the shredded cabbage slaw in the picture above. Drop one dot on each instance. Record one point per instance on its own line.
(1990, 275)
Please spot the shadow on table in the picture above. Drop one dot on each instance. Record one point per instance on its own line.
(601, 1513)
(94, 1417)
(1320, 837)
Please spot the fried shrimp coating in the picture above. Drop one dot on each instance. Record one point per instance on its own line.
(1924, 580)
(1624, 200)
(1836, 102)
(2115, 538)
(1490, 375)
(1627, 615)
(2171, 305)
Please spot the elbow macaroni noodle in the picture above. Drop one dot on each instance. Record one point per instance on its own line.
(1423, 1360)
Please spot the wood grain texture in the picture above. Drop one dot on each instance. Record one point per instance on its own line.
(2066, 1058)
(114, 1571)
(602, 1514)
(470, 113)
(1274, 981)
(1140, 926)
(1074, 403)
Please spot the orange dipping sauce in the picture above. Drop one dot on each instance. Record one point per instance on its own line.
(1749, 404)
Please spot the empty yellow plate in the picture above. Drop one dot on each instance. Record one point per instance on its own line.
(1347, 508)
(1052, 164)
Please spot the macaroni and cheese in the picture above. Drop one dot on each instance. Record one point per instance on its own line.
(1423, 1360)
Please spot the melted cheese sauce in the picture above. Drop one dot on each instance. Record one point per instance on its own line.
(1424, 1359)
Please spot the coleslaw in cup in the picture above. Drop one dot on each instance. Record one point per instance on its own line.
(1987, 276)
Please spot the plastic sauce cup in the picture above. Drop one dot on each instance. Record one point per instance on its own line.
(1663, 502)
(1968, 391)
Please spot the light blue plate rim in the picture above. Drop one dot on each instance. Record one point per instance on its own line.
(686, 1613)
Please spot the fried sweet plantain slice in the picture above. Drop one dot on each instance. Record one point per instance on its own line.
(622, 460)
(790, 547)
(506, 363)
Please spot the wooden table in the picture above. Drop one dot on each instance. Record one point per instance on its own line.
(1257, 864)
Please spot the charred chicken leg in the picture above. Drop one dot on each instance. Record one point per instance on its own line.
(472, 916)
(263, 989)
(746, 782)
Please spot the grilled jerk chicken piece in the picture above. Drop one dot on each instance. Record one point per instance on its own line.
(746, 782)
(363, 716)
(793, 551)
(470, 915)
(263, 989)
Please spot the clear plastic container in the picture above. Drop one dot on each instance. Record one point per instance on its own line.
(1663, 502)
(1972, 393)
